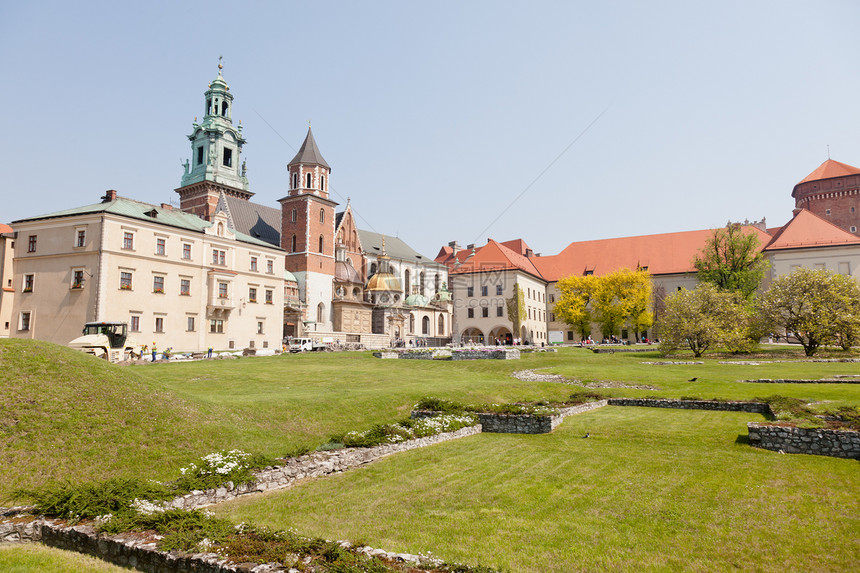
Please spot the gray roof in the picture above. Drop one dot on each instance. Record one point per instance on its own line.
(394, 247)
(146, 212)
(309, 153)
(255, 220)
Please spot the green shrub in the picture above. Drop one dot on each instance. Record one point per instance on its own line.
(219, 468)
(583, 396)
(91, 500)
(439, 405)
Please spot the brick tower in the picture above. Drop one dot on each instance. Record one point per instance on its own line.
(216, 146)
(307, 232)
(832, 192)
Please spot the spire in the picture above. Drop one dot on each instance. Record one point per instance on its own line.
(309, 153)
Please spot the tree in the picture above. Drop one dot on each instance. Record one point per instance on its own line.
(814, 306)
(623, 297)
(516, 309)
(572, 306)
(705, 317)
(732, 260)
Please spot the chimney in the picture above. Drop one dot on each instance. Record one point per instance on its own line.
(455, 246)
(530, 253)
(167, 206)
(471, 246)
(110, 195)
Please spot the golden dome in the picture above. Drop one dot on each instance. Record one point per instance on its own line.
(383, 282)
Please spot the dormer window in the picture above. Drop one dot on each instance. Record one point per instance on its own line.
(228, 157)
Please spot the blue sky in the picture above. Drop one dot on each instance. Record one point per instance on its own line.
(437, 116)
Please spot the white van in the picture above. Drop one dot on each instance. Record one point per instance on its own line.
(301, 345)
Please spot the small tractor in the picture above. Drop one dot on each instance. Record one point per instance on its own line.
(106, 340)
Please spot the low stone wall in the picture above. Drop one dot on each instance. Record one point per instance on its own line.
(521, 423)
(819, 442)
(313, 465)
(802, 381)
(488, 353)
(751, 407)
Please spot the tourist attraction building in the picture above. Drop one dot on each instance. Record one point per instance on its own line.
(822, 234)
(221, 270)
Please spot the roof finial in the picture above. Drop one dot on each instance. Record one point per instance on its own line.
(220, 65)
(828, 151)
(309, 124)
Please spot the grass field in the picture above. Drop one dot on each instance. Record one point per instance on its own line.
(653, 489)
(650, 490)
(30, 558)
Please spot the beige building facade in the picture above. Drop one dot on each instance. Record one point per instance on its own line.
(177, 280)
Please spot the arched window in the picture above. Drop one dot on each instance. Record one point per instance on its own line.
(354, 240)
(322, 182)
(436, 284)
(220, 229)
(441, 325)
(295, 182)
(224, 108)
(320, 312)
(293, 216)
(407, 288)
(293, 244)
(322, 215)
(425, 325)
(322, 243)
(308, 180)
(422, 282)
(411, 324)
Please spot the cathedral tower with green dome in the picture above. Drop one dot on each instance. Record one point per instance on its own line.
(216, 147)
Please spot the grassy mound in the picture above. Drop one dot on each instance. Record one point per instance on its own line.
(65, 415)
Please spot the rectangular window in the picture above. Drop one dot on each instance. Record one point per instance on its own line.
(216, 326)
(570, 335)
(25, 320)
(160, 245)
(499, 311)
(552, 298)
(29, 281)
(270, 267)
(31, 245)
(485, 312)
(252, 294)
(259, 327)
(190, 324)
(484, 290)
(253, 263)
(186, 251)
(228, 157)
(159, 324)
(498, 289)
(200, 155)
(135, 323)
(551, 317)
(844, 269)
(125, 281)
(470, 291)
(158, 284)
(185, 287)
(222, 290)
(78, 279)
(219, 257)
(268, 296)
(128, 240)
(470, 312)
(81, 238)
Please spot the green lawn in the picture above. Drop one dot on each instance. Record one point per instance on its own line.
(32, 557)
(650, 490)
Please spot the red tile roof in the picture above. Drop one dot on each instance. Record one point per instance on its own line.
(830, 169)
(491, 257)
(807, 229)
(666, 253)
(518, 246)
(5, 228)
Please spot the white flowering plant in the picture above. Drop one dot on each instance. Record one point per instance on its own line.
(406, 430)
(218, 468)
